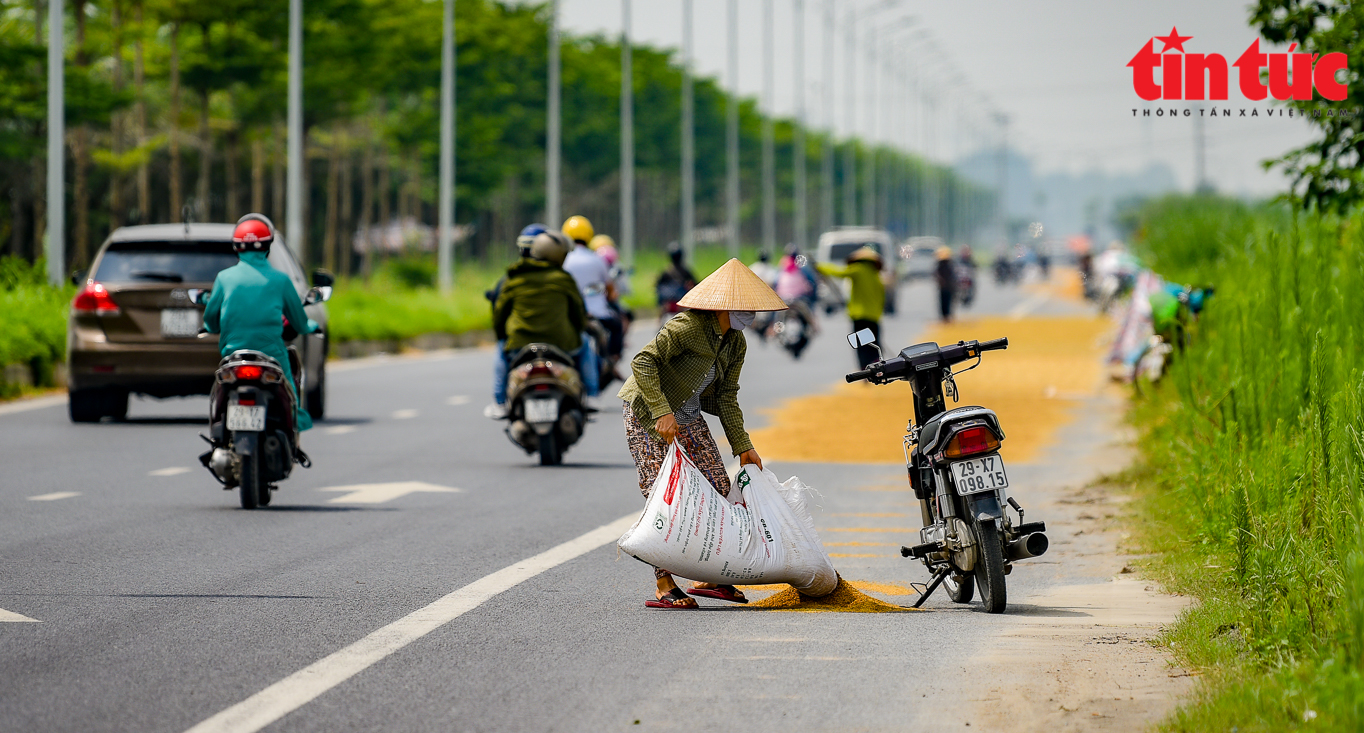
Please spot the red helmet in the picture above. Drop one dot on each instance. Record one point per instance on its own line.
(254, 233)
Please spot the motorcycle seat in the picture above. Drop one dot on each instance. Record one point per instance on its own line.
(540, 351)
(930, 430)
(248, 355)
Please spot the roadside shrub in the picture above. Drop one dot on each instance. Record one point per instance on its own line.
(32, 322)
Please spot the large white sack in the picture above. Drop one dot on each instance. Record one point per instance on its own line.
(762, 534)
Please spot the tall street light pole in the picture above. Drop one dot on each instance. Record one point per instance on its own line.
(798, 134)
(56, 146)
(295, 228)
(552, 217)
(732, 136)
(627, 140)
(688, 141)
(826, 199)
(869, 187)
(446, 266)
(850, 110)
(769, 172)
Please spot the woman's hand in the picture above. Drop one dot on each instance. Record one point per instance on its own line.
(667, 428)
(751, 456)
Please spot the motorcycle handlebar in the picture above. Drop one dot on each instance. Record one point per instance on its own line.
(858, 376)
(994, 344)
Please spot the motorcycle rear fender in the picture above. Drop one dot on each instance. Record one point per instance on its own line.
(244, 443)
(985, 507)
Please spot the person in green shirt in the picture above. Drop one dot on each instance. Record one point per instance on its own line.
(868, 298)
(539, 303)
(692, 366)
(250, 300)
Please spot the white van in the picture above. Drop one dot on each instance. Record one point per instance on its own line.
(835, 246)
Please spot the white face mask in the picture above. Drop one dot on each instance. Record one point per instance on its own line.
(739, 320)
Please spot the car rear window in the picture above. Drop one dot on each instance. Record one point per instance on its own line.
(188, 262)
(840, 252)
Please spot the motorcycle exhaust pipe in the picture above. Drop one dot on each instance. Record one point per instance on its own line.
(1033, 545)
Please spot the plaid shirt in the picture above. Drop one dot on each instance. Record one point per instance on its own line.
(669, 368)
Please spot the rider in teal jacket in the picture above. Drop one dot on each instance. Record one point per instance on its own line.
(250, 300)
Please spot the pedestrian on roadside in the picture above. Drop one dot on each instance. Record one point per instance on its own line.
(946, 277)
(868, 298)
(692, 365)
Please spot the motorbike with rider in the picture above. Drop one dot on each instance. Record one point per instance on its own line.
(598, 289)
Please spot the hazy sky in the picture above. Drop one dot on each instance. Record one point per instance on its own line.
(1057, 68)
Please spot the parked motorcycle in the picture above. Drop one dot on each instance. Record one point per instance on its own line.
(545, 407)
(253, 437)
(952, 456)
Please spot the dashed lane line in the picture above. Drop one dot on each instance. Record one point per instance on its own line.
(456, 400)
(380, 493)
(298, 689)
(404, 414)
(339, 429)
(54, 496)
(172, 471)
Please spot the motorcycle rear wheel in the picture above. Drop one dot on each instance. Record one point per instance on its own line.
(960, 588)
(989, 572)
(250, 485)
(550, 454)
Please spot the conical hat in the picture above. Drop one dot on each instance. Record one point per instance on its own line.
(733, 287)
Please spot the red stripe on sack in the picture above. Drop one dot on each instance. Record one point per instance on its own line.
(671, 493)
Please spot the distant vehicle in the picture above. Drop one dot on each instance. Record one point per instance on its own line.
(835, 246)
(133, 327)
(920, 257)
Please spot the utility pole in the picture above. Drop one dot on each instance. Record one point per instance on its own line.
(732, 136)
(798, 134)
(1002, 202)
(295, 228)
(869, 195)
(446, 247)
(56, 144)
(627, 140)
(1200, 157)
(769, 166)
(552, 217)
(826, 199)
(688, 140)
(850, 159)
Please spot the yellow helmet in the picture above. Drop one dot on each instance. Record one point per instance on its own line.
(578, 229)
(601, 240)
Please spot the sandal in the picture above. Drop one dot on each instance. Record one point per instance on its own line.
(720, 592)
(674, 598)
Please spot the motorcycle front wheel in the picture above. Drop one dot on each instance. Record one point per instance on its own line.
(989, 572)
(251, 484)
(960, 588)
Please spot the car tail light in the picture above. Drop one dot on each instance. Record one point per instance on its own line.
(247, 371)
(95, 298)
(970, 442)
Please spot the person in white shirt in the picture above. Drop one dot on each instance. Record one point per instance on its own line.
(594, 281)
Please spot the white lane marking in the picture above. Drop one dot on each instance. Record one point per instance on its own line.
(1028, 306)
(301, 687)
(340, 430)
(172, 471)
(404, 414)
(459, 399)
(37, 403)
(18, 618)
(380, 493)
(54, 496)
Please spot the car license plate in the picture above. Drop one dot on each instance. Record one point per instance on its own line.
(180, 322)
(980, 474)
(542, 410)
(246, 417)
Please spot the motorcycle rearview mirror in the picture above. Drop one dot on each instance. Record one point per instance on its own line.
(197, 296)
(319, 294)
(862, 338)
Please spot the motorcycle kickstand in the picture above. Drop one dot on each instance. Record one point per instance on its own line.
(932, 587)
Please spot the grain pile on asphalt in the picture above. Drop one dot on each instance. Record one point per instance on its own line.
(1032, 386)
(844, 599)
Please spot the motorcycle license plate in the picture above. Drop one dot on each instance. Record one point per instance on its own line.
(180, 322)
(980, 474)
(542, 410)
(246, 417)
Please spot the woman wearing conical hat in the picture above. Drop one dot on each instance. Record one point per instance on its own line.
(691, 366)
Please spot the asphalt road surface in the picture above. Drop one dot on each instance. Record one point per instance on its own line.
(426, 575)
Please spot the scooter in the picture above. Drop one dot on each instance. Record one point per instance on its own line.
(793, 327)
(253, 437)
(955, 470)
(545, 407)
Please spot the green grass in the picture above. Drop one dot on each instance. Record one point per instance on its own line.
(1253, 466)
(32, 321)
